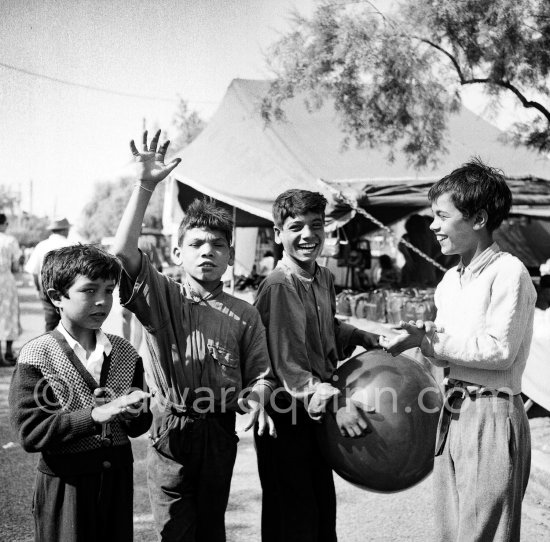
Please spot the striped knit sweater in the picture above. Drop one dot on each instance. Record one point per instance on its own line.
(51, 402)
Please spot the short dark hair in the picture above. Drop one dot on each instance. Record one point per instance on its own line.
(203, 213)
(297, 202)
(475, 186)
(61, 266)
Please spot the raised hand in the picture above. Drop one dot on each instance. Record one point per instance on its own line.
(150, 161)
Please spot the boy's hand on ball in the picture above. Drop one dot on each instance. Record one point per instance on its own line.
(350, 419)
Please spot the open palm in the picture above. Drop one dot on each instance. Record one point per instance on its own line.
(150, 161)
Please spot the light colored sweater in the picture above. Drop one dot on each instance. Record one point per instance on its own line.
(484, 321)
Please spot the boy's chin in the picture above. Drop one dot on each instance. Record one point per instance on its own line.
(300, 257)
(207, 278)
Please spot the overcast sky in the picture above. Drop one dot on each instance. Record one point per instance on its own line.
(63, 137)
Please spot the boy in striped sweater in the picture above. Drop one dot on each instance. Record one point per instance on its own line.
(482, 333)
(76, 396)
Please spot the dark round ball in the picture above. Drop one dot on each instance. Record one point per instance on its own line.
(398, 450)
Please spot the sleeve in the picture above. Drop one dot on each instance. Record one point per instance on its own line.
(256, 366)
(148, 297)
(283, 316)
(511, 308)
(33, 263)
(36, 415)
(137, 426)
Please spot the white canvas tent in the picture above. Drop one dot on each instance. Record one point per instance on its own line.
(245, 163)
(242, 161)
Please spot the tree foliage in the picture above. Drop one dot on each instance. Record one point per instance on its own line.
(101, 216)
(9, 200)
(186, 125)
(29, 229)
(395, 78)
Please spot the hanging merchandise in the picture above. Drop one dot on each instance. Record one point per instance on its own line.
(331, 248)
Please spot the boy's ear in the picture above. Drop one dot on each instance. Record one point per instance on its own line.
(231, 256)
(277, 232)
(176, 253)
(480, 219)
(55, 296)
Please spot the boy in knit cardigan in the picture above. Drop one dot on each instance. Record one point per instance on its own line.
(76, 396)
(482, 333)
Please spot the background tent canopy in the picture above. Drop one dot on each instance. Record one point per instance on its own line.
(241, 161)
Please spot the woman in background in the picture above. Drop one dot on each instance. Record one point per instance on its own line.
(9, 303)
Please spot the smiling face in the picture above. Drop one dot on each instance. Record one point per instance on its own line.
(204, 254)
(85, 305)
(302, 238)
(455, 233)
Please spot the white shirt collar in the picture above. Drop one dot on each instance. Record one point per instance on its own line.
(94, 363)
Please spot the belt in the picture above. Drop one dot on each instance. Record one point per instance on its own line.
(186, 411)
(455, 392)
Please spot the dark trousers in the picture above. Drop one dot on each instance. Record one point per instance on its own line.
(298, 499)
(189, 470)
(86, 508)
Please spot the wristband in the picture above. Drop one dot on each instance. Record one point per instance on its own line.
(139, 185)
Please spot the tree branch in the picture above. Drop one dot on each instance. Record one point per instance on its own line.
(504, 84)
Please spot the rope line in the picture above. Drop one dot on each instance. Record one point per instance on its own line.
(361, 211)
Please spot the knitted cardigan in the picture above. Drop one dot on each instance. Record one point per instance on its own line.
(51, 400)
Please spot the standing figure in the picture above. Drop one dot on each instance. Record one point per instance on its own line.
(57, 239)
(482, 334)
(76, 396)
(208, 359)
(10, 327)
(297, 303)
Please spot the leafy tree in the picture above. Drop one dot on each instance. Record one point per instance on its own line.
(185, 127)
(101, 216)
(9, 200)
(29, 229)
(395, 78)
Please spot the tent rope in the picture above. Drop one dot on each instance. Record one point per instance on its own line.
(353, 204)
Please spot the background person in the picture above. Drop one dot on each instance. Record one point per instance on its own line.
(57, 239)
(10, 327)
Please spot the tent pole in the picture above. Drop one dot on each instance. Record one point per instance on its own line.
(234, 246)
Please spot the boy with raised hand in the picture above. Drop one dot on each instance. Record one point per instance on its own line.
(207, 348)
(297, 304)
(482, 333)
(76, 396)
